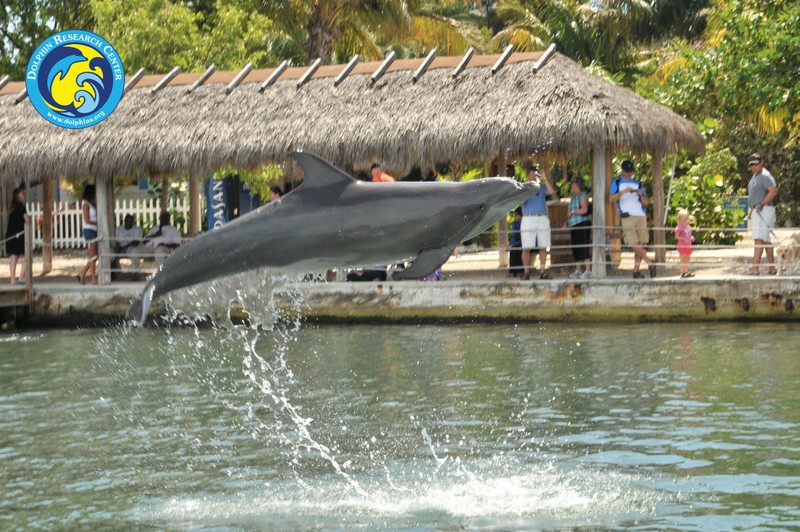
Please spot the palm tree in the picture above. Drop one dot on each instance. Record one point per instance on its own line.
(335, 30)
(594, 31)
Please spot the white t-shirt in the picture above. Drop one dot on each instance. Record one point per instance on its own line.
(169, 236)
(629, 203)
(127, 237)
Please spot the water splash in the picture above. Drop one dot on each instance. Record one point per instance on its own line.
(498, 493)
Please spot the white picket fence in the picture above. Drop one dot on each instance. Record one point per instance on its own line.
(68, 224)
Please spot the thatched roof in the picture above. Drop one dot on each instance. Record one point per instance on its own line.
(561, 108)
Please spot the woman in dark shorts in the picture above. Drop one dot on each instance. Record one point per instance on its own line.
(15, 234)
(89, 208)
(580, 229)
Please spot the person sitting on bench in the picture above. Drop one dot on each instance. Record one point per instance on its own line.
(159, 242)
(128, 236)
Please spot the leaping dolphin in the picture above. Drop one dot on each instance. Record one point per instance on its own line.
(333, 220)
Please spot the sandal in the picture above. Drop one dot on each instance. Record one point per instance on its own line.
(544, 275)
(773, 271)
(751, 272)
(687, 275)
(80, 279)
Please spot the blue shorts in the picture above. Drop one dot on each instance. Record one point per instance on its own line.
(89, 234)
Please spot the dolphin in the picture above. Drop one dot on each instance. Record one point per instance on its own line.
(332, 220)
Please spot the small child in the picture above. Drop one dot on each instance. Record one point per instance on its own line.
(683, 233)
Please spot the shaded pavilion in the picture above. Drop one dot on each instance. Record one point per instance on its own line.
(403, 113)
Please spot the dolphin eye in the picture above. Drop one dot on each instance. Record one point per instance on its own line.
(482, 206)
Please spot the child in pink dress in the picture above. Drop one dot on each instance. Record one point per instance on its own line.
(683, 234)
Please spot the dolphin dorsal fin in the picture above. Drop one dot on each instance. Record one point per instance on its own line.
(319, 172)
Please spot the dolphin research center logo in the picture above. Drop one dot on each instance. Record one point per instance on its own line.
(75, 79)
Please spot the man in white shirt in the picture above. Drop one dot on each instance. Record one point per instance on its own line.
(159, 242)
(631, 199)
(128, 236)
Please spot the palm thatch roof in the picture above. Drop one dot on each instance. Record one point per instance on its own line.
(560, 108)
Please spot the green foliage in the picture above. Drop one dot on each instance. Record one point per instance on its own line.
(258, 181)
(158, 35)
(24, 24)
(702, 191)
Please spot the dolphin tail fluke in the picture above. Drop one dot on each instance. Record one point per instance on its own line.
(427, 262)
(140, 306)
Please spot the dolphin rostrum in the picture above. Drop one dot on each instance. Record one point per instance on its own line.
(333, 220)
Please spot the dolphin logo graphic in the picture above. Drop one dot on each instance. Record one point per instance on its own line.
(333, 220)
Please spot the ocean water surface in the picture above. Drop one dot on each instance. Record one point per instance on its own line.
(295, 426)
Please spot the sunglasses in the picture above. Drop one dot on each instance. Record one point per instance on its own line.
(754, 164)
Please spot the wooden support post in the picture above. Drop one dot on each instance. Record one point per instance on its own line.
(195, 222)
(659, 236)
(164, 193)
(612, 221)
(502, 224)
(5, 201)
(47, 226)
(103, 244)
(29, 262)
(599, 194)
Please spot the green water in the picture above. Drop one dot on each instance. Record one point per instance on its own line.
(402, 427)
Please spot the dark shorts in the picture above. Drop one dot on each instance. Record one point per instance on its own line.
(89, 234)
(581, 236)
(16, 246)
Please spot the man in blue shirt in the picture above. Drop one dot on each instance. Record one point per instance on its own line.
(535, 226)
(631, 199)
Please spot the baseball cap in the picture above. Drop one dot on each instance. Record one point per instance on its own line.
(627, 166)
(754, 159)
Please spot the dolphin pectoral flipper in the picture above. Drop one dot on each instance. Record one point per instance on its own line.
(427, 262)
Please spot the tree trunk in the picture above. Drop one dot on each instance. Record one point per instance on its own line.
(324, 33)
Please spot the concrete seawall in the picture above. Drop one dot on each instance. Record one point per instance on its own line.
(705, 299)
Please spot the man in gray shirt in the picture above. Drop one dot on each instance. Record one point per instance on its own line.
(761, 192)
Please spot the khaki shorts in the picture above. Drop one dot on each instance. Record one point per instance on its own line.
(535, 232)
(634, 230)
(761, 223)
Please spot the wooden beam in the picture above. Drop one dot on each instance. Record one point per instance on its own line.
(612, 221)
(195, 221)
(659, 236)
(310, 72)
(346, 71)
(21, 96)
(103, 216)
(599, 199)
(274, 76)
(502, 223)
(424, 66)
(47, 226)
(545, 57)
(503, 58)
(164, 193)
(464, 62)
(202, 79)
(383, 68)
(29, 261)
(239, 77)
(133, 81)
(165, 81)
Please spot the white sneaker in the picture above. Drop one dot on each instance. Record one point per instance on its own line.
(575, 275)
(586, 275)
